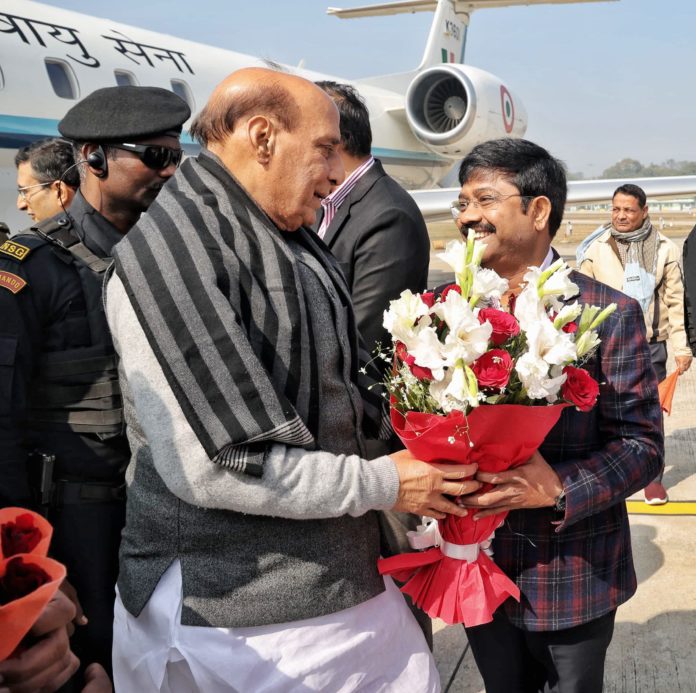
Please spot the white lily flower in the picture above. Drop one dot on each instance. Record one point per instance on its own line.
(403, 314)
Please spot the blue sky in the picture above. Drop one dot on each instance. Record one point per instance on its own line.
(600, 81)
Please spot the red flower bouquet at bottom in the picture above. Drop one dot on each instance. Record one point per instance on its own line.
(457, 581)
(28, 580)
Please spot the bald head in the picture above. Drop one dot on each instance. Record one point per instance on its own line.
(252, 91)
(277, 134)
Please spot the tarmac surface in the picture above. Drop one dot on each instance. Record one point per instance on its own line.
(654, 644)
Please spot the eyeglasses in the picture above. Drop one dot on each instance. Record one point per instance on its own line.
(22, 192)
(153, 156)
(486, 201)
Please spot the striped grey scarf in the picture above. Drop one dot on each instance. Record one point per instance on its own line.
(218, 293)
(638, 254)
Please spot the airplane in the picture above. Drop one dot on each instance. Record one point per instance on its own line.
(423, 120)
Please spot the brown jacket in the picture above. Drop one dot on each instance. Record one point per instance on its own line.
(665, 317)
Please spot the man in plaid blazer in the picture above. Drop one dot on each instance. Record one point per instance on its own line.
(566, 541)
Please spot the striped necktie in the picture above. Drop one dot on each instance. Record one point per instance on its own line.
(329, 213)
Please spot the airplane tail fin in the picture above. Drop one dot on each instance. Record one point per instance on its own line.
(447, 32)
(447, 37)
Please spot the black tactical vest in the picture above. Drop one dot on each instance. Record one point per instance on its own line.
(77, 388)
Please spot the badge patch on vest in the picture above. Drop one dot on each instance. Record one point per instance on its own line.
(15, 250)
(12, 282)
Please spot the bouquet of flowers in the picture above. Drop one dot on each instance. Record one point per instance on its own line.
(474, 381)
(28, 579)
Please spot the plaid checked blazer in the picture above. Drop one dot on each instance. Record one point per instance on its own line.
(575, 568)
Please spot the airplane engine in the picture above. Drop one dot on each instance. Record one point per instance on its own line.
(453, 107)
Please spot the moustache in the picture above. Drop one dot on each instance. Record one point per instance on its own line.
(483, 227)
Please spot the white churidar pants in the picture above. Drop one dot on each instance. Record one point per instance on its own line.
(374, 646)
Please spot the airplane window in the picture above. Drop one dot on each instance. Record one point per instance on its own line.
(2, 79)
(62, 79)
(182, 89)
(125, 79)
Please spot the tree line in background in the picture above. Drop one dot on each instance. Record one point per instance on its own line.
(632, 168)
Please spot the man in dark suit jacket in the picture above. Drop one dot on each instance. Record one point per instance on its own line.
(378, 235)
(376, 230)
(689, 264)
(566, 541)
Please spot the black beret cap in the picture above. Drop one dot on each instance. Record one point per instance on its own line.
(123, 113)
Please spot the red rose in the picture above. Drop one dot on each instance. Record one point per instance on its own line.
(428, 298)
(492, 369)
(20, 536)
(580, 388)
(504, 324)
(419, 371)
(447, 289)
(569, 327)
(20, 579)
(401, 352)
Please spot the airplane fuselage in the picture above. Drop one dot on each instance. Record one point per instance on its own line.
(50, 58)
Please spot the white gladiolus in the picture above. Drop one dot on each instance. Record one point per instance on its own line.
(447, 337)
(529, 308)
(467, 343)
(457, 391)
(551, 283)
(554, 346)
(467, 338)
(556, 281)
(437, 392)
(426, 349)
(464, 259)
(567, 314)
(533, 373)
(586, 342)
(455, 256)
(488, 284)
(454, 310)
(403, 314)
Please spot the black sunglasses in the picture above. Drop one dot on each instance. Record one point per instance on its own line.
(153, 156)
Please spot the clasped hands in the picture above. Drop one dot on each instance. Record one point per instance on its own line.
(49, 662)
(423, 487)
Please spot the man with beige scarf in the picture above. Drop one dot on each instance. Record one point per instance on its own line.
(634, 257)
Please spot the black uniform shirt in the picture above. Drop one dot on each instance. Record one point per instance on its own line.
(49, 314)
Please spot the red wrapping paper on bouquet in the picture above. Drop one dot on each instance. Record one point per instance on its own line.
(457, 581)
(28, 579)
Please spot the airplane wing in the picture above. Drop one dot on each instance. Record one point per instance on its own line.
(435, 203)
(460, 7)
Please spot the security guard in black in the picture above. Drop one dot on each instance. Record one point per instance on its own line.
(63, 450)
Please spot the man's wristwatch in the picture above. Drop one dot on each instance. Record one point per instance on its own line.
(560, 503)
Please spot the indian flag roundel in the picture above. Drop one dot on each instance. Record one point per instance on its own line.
(508, 109)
